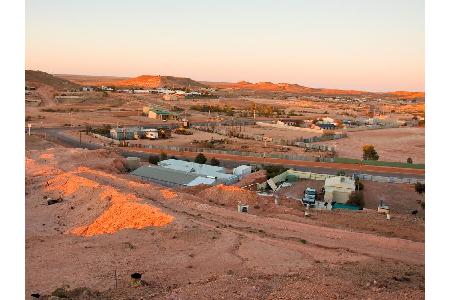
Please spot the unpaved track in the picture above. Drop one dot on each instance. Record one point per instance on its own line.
(272, 229)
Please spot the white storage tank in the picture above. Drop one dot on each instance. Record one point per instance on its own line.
(133, 162)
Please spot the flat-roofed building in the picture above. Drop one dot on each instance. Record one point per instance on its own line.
(169, 177)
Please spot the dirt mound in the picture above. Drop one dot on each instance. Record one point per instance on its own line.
(69, 183)
(125, 212)
(101, 159)
(38, 77)
(194, 190)
(168, 194)
(111, 209)
(252, 179)
(229, 195)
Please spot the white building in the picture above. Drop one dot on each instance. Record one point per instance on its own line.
(242, 170)
(338, 189)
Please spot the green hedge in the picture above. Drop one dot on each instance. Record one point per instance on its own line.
(379, 163)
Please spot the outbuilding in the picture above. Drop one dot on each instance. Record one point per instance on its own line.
(242, 170)
(338, 189)
(169, 177)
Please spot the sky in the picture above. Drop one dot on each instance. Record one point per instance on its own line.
(373, 45)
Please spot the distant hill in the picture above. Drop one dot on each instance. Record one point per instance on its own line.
(38, 78)
(143, 81)
(156, 81)
(89, 80)
(299, 89)
(281, 87)
(406, 95)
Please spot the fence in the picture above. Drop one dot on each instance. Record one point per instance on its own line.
(235, 152)
(284, 142)
(372, 127)
(390, 179)
(317, 176)
(378, 163)
(104, 138)
(267, 155)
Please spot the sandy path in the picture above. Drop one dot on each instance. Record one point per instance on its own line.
(322, 237)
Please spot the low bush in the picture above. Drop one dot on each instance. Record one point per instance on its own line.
(153, 159)
(356, 198)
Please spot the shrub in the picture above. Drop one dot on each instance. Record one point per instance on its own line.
(153, 159)
(356, 198)
(369, 153)
(273, 171)
(409, 160)
(163, 156)
(200, 158)
(359, 185)
(420, 188)
(214, 162)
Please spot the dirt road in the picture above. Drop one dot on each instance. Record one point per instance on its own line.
(285, 162)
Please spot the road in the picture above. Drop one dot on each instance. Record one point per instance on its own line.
(57, 134)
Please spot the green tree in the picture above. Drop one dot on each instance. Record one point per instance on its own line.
(420, 188)
(369, 153)
(200, 158)
(214, 162)
(359, 185)
(153, 159)
(356, 198)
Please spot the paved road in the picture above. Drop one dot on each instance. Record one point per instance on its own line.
(235, 160)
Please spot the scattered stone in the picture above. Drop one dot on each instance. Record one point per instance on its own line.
(54, 201)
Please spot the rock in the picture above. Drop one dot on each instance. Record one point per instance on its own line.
(53, 201)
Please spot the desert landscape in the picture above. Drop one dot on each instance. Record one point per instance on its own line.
(222, 150)
(104, 224)
(190, 243)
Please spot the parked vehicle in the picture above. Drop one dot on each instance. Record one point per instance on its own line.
(309, 196)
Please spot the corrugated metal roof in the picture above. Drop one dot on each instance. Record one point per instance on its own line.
(164, 175)
(191, 167)
(201, 180)
(160, 111)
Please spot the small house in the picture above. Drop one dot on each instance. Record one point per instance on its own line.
(129, 133)
(160, 114)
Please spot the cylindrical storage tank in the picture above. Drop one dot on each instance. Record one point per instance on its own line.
(133, 162)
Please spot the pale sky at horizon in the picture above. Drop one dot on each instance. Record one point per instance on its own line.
(373, 45)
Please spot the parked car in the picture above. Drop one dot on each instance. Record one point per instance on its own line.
(309, 196)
